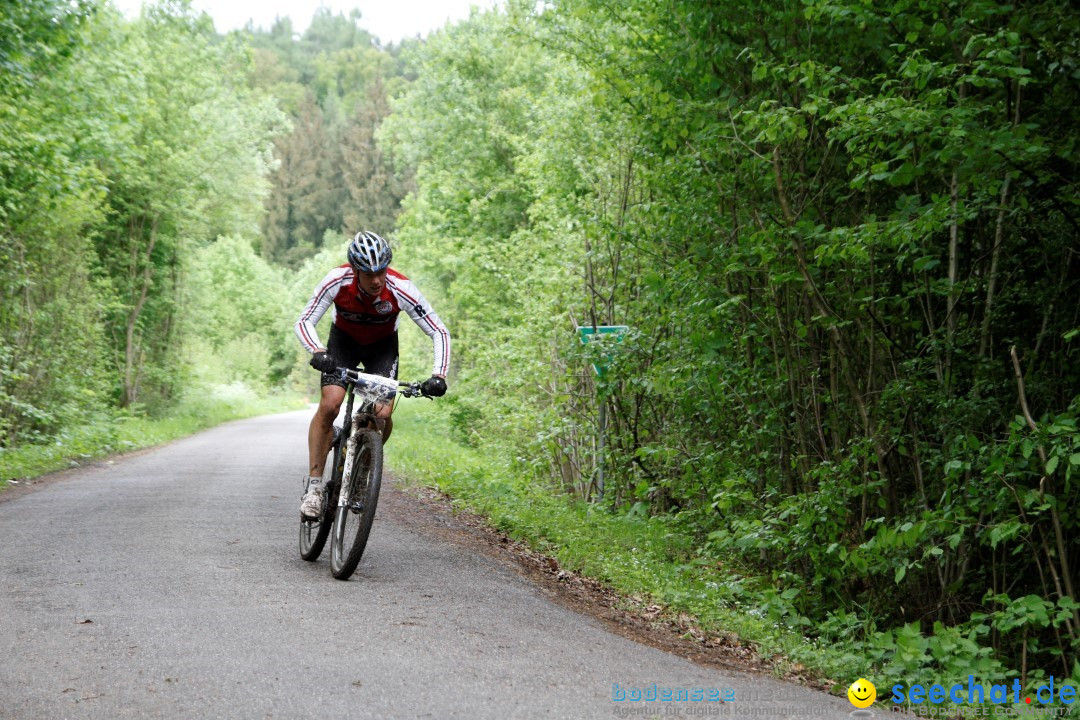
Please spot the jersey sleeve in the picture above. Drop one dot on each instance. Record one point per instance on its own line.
(321, 300)
(419, 309)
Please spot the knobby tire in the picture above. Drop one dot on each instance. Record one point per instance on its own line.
(351, 528)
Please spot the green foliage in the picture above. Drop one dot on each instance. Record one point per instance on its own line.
(35, 36)
(330, 175)
(195, 145)
(476, 124)
(238, 317)
(126, 149)
(47, 198)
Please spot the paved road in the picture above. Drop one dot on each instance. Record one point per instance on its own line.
(168, 585)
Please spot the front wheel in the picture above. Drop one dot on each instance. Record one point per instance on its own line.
(313, 533)
(353, 518)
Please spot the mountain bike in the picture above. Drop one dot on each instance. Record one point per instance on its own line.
(355, 466)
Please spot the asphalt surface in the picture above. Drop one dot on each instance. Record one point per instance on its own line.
(168, 585)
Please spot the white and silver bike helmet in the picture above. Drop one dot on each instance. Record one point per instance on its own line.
(369, 253)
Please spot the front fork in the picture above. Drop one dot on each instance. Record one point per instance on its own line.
(361, 421)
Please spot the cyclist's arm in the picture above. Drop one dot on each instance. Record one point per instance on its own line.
(321, 300)
(419, 309)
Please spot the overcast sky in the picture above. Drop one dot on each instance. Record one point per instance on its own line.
(389, 20)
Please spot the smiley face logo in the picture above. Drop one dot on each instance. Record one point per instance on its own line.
(862, 693)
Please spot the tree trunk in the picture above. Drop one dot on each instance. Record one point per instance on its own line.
(999, 232)
(131, 349)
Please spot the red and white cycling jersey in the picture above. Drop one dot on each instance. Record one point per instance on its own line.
(367, 318)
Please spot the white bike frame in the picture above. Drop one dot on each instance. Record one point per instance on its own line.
(372, 390)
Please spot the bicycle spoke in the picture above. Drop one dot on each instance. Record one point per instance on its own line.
(353, 521)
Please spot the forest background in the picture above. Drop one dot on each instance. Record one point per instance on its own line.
(843, 236)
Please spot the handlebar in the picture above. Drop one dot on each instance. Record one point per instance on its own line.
(377, 387)
(411, 390)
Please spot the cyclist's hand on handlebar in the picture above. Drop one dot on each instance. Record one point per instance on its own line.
(434, 386)
(323, 362)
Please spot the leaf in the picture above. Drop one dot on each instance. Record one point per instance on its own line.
(926, 263)
(903, 175)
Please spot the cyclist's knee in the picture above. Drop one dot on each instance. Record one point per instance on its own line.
(330, 403)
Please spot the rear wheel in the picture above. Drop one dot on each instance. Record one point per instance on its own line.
(352, 521)
(313, 533)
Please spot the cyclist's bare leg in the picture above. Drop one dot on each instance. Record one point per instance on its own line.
(384, 421)
(321, 431)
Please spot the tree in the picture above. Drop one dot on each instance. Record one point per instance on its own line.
(48, 198)
(375, 189)
(303, 203)
(826, 225)
(330, 162)
(188, 168)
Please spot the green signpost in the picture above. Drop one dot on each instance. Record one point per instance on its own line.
(605, 335)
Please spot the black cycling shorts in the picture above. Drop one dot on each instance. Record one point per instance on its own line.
(377, 358)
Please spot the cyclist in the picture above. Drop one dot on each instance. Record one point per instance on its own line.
(367, 295)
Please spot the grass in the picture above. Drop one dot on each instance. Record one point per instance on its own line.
(108, 434)
(646, 560)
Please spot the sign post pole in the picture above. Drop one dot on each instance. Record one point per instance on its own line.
(600, 448)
